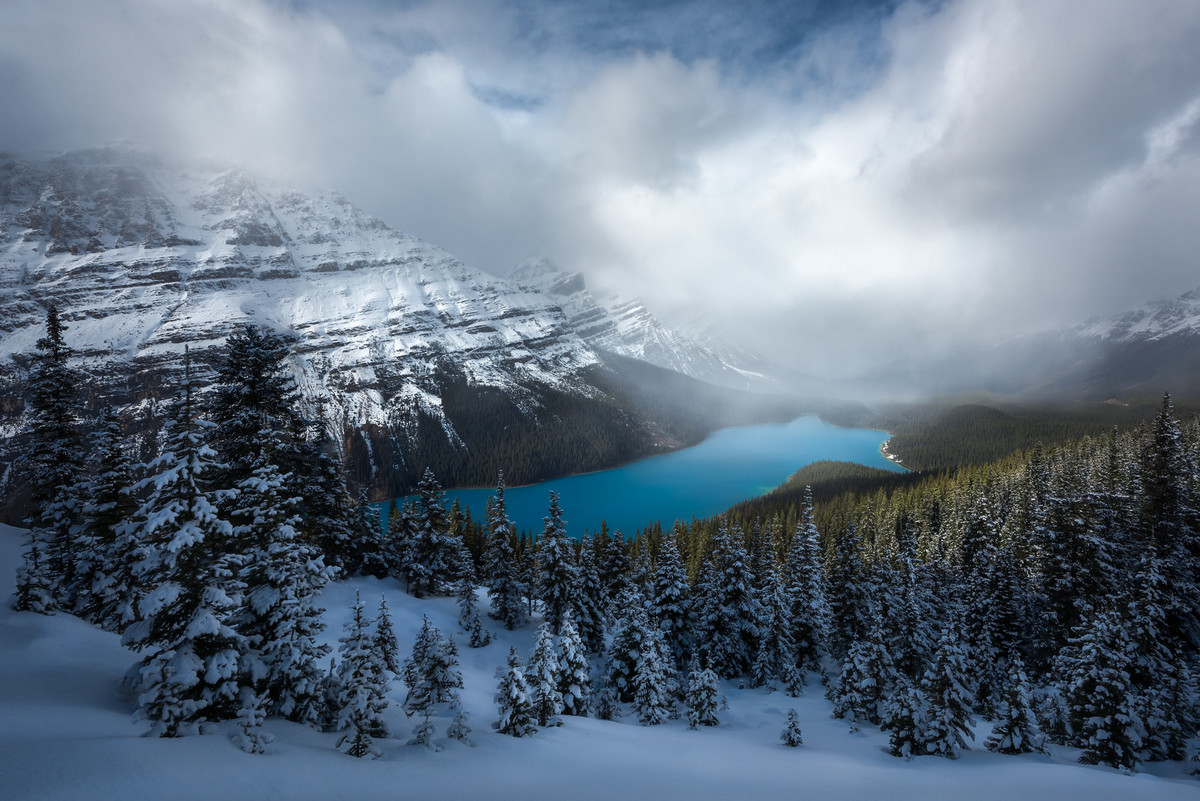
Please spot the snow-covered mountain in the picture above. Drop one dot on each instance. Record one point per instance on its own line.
(1156, 320)
(625, 326)
(1132, 355)
(143, 256)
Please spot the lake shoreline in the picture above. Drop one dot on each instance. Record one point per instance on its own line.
(730, 465)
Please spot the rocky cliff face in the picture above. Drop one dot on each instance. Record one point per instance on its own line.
(143, 257)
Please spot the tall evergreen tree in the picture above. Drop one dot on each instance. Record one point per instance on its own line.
(574, 673)
(588, 615)
(1101, 702)
(726, 630)
(364, 554)
(703, 696)
(254, 409)
(669, 602)
(775, 661)
(516, 709)
(468, 615)
(47, 577)
(1016, 730)
(362, 679)
(849, 599)
(385, 644)
(191, 674)
(436, 554)
(558, 577)
(652, 682)
(281, 577)
(105, 567)
(501, 569)
(542, 675)
(904, 718)
(861, 691)
(805, 577)
(1169, 520)
(948, 722)
(628, 640)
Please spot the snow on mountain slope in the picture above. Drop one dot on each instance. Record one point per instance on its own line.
(143, 256)
(1155, 320)
(67, 735)
(626, 327)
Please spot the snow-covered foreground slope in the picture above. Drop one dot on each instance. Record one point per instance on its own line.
(66, 733)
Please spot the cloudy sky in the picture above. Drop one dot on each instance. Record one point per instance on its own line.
(844, 184)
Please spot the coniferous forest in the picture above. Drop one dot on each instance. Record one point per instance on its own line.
(1053, 592)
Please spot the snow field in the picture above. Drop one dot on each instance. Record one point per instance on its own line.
(66, 733)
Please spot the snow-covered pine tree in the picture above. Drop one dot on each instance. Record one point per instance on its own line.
(1168, 518)
(516, 709)
(652, 681)
(848, 596)
(726, 630)
(432, 674)
(413, 667)
(424, 730)
(254, 408)
(541, 673)
(191, 674)
(385, 642)
(35, 586)
(628, 640)
(250, 736)
(980, 555)
(805, 575)
(615, 566)
(328, 515)
(366, 555)
(948, 719)
(1157, 676)
(1051, 712)
(574, 672)
(442, 676)
(459, 728)
(791, 735)
(607, 706)
(558, 577)
(500, 568)
(399, 546)
(669, 601)
(105, 559)
(1100, 698)
(904, 718)
(330, 686)
(362, 680)
(703, 696)
(588, 615)
(775, 661)
(861, 690)
(281, 577)
(1016, 730)
(468, 615)
(436, 553)
(53, 465)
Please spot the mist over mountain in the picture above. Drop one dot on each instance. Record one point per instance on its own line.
(871, 192)
(413, 357)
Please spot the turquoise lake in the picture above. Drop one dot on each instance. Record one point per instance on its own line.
(733, 464)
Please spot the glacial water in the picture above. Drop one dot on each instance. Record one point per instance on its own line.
(731, 465)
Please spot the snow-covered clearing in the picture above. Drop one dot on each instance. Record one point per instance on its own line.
(66, 733)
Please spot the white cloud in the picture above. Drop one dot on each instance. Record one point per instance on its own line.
(965, 171)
